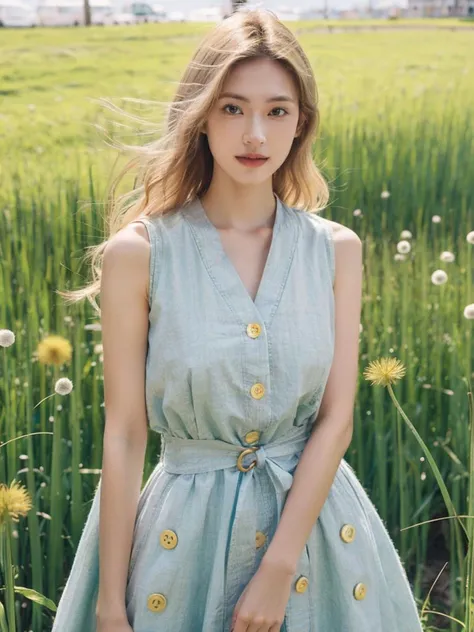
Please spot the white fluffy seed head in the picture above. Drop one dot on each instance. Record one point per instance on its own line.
(7, 338)
(63, 386)
(447, 256)
(469, 311)
(403, 247)
(439, 277)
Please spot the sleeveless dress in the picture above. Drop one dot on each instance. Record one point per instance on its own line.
(233, 386)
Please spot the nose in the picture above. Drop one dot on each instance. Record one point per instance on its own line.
(255, 133)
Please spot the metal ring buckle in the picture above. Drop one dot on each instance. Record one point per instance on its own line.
(241, 456)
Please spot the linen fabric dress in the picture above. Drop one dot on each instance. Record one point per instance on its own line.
(225, 373)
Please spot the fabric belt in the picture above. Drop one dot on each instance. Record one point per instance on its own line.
(195, 456)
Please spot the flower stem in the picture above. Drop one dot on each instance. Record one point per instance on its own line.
(434, 467)
(6, 535)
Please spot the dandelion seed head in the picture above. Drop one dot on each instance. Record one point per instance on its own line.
(447, 256)
(470, 237)
(357, 212)
(385, 194)
(403, 247)
(399, 257)
(439, 277)
(63, 386)
(469, 311)
(405, 234)
(7, 338)
(436, 219)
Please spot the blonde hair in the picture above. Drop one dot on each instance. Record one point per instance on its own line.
(178, 167)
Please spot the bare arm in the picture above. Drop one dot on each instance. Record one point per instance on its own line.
(124, 318)
(332, 432)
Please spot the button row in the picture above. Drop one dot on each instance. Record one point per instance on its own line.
(168, 539)
(347, 534)
(253, 331)
(157, 601)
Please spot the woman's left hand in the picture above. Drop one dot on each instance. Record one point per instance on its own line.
(261, 607)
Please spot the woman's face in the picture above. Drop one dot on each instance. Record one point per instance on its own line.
(263, 121)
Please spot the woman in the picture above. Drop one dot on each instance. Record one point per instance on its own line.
(230, 322)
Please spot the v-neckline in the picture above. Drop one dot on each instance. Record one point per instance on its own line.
(223, 272)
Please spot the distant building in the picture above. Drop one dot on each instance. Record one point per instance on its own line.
(440, 8)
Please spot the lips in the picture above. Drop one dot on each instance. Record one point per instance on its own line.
(251, 162)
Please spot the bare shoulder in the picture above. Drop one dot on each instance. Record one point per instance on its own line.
(126, 257)
(341, 233)
(348, 253)
(130, 241)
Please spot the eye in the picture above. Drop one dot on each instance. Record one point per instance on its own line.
(282, 109)
(229, 105)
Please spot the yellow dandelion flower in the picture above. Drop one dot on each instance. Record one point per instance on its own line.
(54, 350)
(384, 371)
(14, 501)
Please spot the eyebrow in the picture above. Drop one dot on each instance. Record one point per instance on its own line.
(233, 95)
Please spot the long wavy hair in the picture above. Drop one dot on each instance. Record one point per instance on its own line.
(177, 168)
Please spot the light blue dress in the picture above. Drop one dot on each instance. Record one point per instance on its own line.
(225, 374)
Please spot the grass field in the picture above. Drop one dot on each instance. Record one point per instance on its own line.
(396, 116)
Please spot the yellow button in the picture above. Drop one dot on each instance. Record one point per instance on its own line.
(257, 391)
(156, 602)
(302, 584)
(168, 539)
(260, 539)
(252, 436)
(347, 533)
(360, 591)
(253, 330)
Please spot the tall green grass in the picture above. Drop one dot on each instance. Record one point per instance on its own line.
(396, 115)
